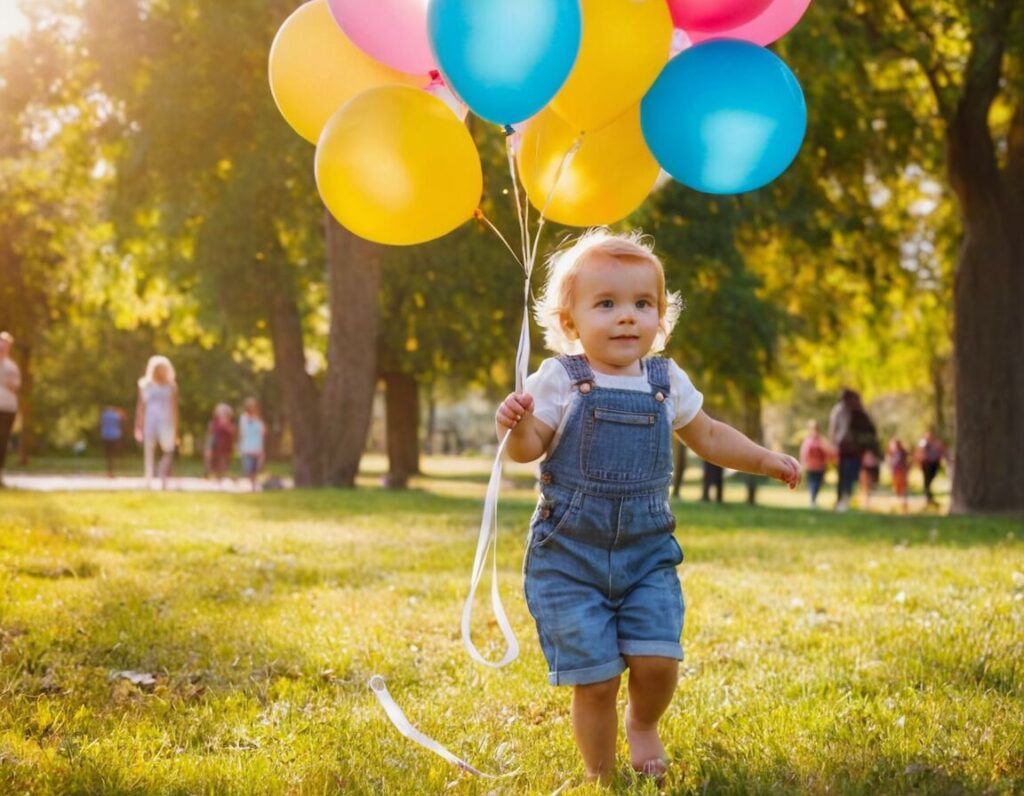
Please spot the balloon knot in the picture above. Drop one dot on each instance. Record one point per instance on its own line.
(509, 130)
(478, 214)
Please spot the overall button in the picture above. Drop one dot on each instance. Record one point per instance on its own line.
(659, 397)
(585, 387)
(545, 513)
(546, 478)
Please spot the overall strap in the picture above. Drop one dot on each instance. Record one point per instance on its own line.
(578, 368)
(657, 374)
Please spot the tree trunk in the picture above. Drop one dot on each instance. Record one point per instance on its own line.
(403, 416)
(938, 370)
(298, 392)
(753, 428)
(25, 405)
(428, 444)
(353, 273)
(988, 473)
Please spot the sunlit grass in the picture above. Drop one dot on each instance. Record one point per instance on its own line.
(851, 654)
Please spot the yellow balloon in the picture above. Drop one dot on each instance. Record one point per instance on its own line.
(396, 166)
(625, 44)
(315, 69)
(607, 178)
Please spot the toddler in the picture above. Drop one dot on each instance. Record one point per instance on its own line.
(600, 569)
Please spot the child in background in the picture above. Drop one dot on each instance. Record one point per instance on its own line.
(600, 570)
(220, 440)
(815, 452)
(899, 463)
(251, 433)
(111, 433)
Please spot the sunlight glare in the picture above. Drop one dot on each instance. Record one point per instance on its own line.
(12, 21)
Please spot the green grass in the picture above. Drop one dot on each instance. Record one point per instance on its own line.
(844, 654)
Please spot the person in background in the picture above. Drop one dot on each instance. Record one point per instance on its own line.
(930, 455)
(852, 432)
(815, 452)
(713, 478)
(220, 436)
(112, 420)
(899, 463)
(870, 473)
(156, 417)
(10, 383)
(251, 434)
(679, 468)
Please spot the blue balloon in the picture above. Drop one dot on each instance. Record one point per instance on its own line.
(724, 117)
(505, 59)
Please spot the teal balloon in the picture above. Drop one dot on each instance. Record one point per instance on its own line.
(505, 59)
(724, 117)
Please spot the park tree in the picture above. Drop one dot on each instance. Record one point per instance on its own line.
(855, 241)
(209, 171)
(937, 88)
(967, 58)
(51, 228)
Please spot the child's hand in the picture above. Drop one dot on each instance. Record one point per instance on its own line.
(513, 409)
(782, 467)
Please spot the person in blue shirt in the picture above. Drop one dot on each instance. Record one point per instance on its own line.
(112, 433)
(251, 433)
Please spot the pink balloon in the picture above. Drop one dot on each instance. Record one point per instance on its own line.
(770, 25)
(392, 31)
(714, 15)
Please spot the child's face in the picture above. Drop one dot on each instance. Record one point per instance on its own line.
(160, 375)
(614, 312)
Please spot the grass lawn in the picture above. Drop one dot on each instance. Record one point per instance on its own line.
(831, 653)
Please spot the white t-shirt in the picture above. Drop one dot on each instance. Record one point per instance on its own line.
(553, 394)
(10, 382)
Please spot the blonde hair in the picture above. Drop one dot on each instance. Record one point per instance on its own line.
(151, 366)
(555, 300)
(223, 410)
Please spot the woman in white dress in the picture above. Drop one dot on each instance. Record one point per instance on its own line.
(156, 416)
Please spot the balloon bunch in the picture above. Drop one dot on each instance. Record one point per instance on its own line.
(593, 105)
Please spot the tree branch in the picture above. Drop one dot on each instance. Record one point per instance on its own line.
(973, 168)
(932, 68)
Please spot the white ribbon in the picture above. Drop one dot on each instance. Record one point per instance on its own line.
(406, 728)
(488, 543)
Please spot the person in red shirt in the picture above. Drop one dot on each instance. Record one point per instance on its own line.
(815, 451)
(220, 440)
(899, 463)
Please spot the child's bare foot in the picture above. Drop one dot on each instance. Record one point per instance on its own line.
(646, 752)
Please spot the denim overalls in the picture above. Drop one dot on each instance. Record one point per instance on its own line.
(600, 570)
